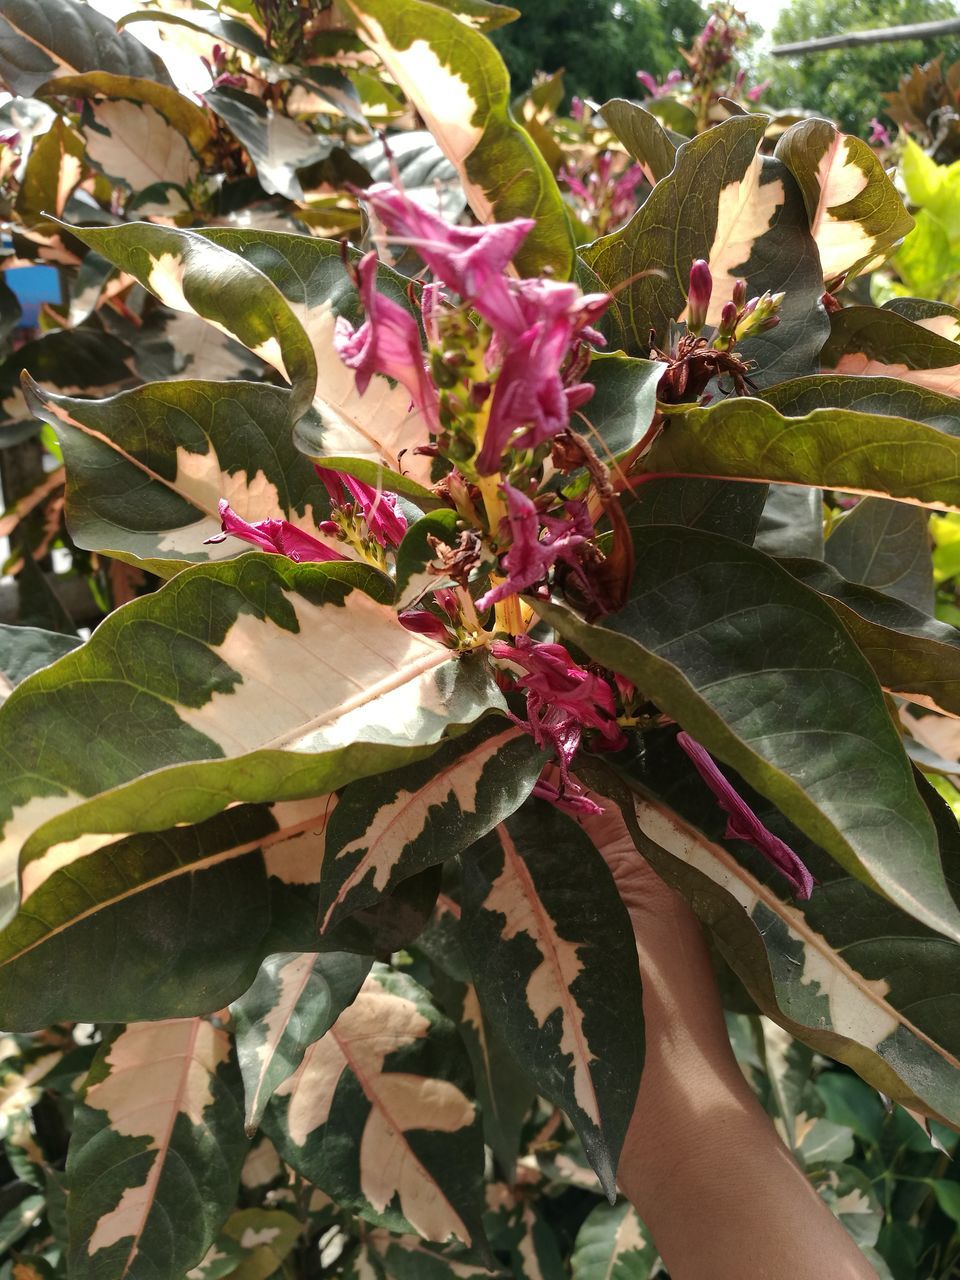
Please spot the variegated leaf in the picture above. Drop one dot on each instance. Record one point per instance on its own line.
(849, 973)
(555, 966)
(458, 83)
(189, 272)
(295, 999)
(423, 814)
(254, 680)
(880, 342)
(264, 1237)
(378, 1117)
(380, 427)
(133, 144)
(54, 168)
(44, 38)
(408, 1258)
(181, 112)
(146, 469)
(806, 723)
(155, 1156)
(874, 454)
(613, 1244)
(725, 202)
(277, 144)
(856, 216)
(913, 654)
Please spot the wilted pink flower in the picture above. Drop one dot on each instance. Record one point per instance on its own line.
(384, 518)
(387, 342)
(531, 556)
(758, 90)
(563, 699)
(570, 799)
(277, 536)
(577, 108)
(698, 297)
(469, 260)
(879, 136)
(743, 823)
(653, 85)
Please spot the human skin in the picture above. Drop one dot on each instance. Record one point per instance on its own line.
(721, 1195)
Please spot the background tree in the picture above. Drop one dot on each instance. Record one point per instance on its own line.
(848, 84)
(600, 45)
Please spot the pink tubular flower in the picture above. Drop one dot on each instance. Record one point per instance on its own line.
(385, 520)
(758, 90)
(469, 260)
(879, 136)
(387, 342)
(562, 699)
(277, 536)
(570, 798)
(698, 297)
(531, 557)
(743, 823)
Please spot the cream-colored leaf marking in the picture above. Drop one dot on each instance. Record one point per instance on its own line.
(397, 824)
(363, 1268)
(292, 979)
(24, 819)
(629, 1236)
(298, 685)
(842, 241)
(447, 103)
(140, 148)
(944, 326)
(945, 379)
(39, 870)
(858, 1008)
(158, 1071)
(166, 281)
(746, 211)
(514, 895)
(19, 1091)
(376, 1024)
(261, 1166)
(252, 1238)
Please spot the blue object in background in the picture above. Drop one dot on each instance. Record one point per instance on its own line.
(33, 287)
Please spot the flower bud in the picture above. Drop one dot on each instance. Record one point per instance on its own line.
(728, 317)
(424, 624)
(739, 293)
(698, 298)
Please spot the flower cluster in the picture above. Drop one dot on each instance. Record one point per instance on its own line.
(495, 391)
(604, 195)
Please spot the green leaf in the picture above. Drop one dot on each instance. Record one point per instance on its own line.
(265, 1237)
(277, 144)
(613, 1244)
(483, 15)
(189, 272)
(853, 1198)
(835, 448)
(146, 469)
(554, 962)
(856, 216)
(378, 1117)
(408, 1258)
(768, 680)
(421, 815)
(24, 650)
(456, 80)
(295, 999)
(791, 523)
(718, 506)
(617, 415)
(41, 38)
(885, 545)
(155, 1156)
(912, 653)
(380, 426)
(256, 679)
(872, 342)
(948, 1197)
(230, 30)
(849, 973)
(725, 202)
(96, 361)
(643, 136)
(417, 554)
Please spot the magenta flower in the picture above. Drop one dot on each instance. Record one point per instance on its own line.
(743, 823)
(879, 136)
(531, 556)
(469, 260)
(570, 798)
(279, 537)
(424, 623)
(387, 342)
(563, 699)
(653, 85)
(758, 90)
(530, 397)
(380, 510)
